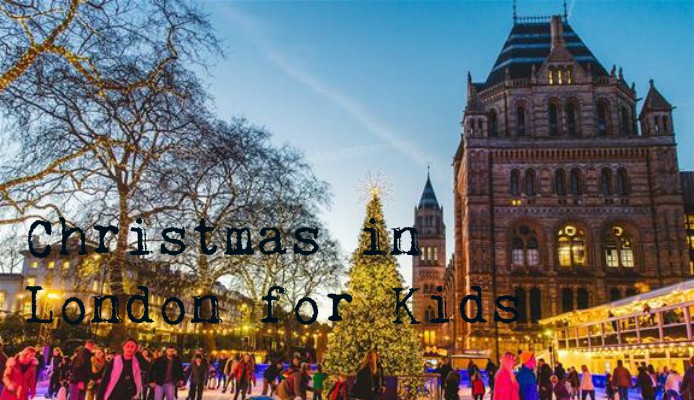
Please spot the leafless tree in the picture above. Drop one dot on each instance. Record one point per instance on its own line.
(86, 35)
(232, 176)
(86, 151)
(11, 244)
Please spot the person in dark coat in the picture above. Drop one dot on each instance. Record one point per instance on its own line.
(645, 381)
(491, 369)
(55, 373)
(687, 386)
(270, 376)
(81, 371)
(451, 385)
(166, 374)
(443, 372)
(544, 375)
(559, 388)
(366, 386)
(198, 377)
(559, 371)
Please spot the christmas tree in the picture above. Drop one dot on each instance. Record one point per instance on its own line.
(367, 322)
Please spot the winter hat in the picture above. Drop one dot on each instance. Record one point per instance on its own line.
(526, 356)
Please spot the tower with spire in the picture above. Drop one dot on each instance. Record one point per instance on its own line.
(559, 198)
(429, 268)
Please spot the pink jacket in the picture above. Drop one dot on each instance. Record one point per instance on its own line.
(506, 386)
(23, 382)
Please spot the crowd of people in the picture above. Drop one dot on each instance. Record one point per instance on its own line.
(94, 373)
(537, 380)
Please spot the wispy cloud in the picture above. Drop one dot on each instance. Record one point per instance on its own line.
(345, 153)
(257, 32)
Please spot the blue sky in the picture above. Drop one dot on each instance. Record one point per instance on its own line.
(379, 87)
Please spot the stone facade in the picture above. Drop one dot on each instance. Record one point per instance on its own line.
(559, 199)
(429, 272)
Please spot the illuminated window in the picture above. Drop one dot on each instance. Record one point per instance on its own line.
(66, 264)
(690, 241)
(30, 281)
(26, 307)
(619, 249)
(34, 264)
(436, 253)
(550, 76)
(533, 252)
(571, 247)
(689, 221)
(422, 256)
(51, 264)
(559, 76)
(569, 78)
(3, 298)
(429, 338)
(517, 252)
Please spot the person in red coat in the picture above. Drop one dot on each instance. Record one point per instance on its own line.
(19, 377)
(243, 373)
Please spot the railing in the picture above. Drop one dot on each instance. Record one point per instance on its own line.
(664, 325)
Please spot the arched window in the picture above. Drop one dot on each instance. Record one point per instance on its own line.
(517, 252)
(524, 246)
(606, 182)
(582, 299)
(626, 124)
(522, 301)
(553, 120)
(560, 182)
(567, 300)
(665, 124)
(571, 247)
(571, 118)
(603, 129)
(656, 124)
(535, 305)
(515, 182)
(530, 182)
(622, 182)
(520, 116)
(619, 249)
(569, 76)
(575, 182)
(533, 252)
(615, 294)
(550, 76)
(429, 314)
(493, 124)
